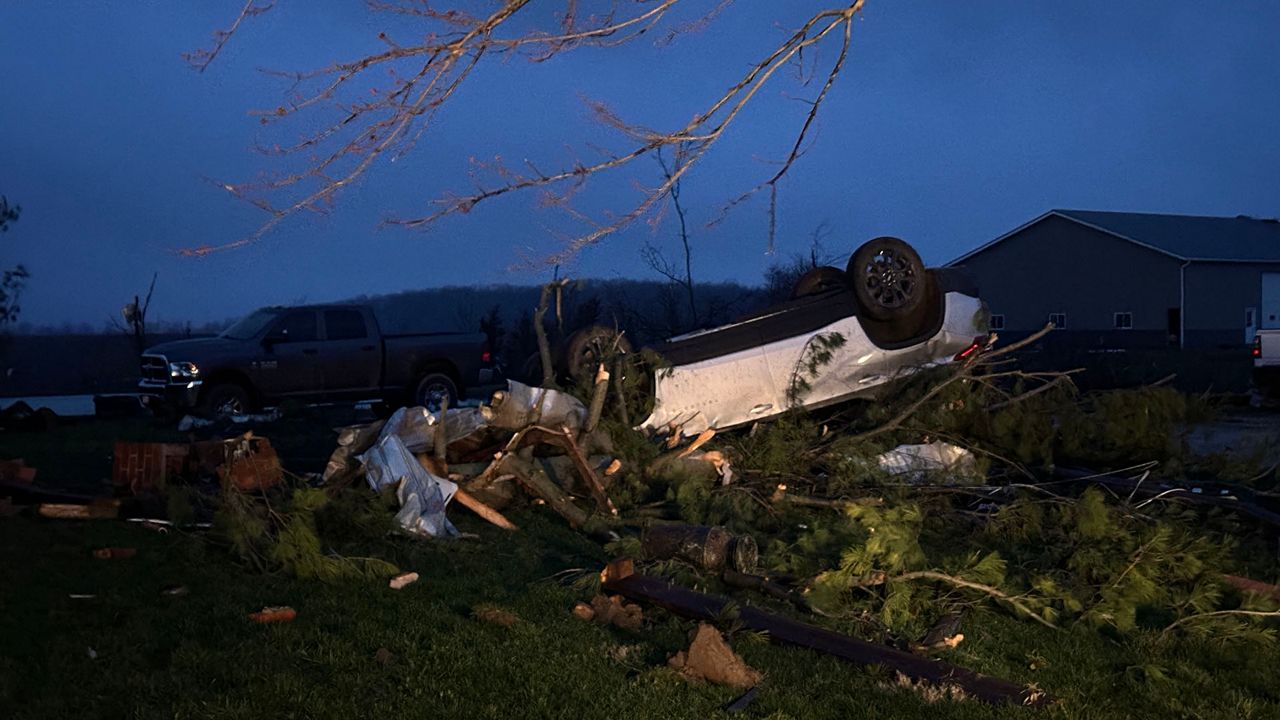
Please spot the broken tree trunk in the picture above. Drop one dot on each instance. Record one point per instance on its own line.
(564, 439)
(620, 578)
(536, 483)
(470, 502)
(598, 394)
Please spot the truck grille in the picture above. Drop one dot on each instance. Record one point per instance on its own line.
(155, 369)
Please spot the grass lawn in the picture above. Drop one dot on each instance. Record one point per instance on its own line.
(198, 656)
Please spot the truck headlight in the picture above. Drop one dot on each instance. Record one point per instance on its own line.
(183, 370)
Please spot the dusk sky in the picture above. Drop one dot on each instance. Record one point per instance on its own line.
(952, 123)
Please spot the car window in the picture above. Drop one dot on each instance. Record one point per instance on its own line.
(344, 325)
(252, 325)
(296, 327)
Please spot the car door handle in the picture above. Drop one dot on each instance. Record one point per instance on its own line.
(311, 351)
(368, 348)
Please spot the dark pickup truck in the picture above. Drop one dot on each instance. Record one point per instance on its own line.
(315, 353)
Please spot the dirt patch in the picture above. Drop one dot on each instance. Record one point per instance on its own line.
(710, 658)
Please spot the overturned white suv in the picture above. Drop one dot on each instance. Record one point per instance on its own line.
(843, 334)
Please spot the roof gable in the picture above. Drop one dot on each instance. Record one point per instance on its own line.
(1185, 237)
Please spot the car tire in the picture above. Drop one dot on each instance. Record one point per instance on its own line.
(588, 347)
(887, 278)
(433, 387)
(818, 281)
(226, 399)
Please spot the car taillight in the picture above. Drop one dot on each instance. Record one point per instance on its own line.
(970, 351)
(1257, 346)
(485, 356)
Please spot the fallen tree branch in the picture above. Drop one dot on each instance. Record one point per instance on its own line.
(1219, 613)
(966, 371)
(619, 577)
(993, 592)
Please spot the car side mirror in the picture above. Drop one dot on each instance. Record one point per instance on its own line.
(269, 342)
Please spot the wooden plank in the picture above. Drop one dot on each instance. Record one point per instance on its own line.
(701, 606)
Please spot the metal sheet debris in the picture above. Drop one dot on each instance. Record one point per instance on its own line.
(915, 463)
(423, 496)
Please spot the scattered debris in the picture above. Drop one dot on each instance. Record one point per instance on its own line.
(945, 634)
(610, 610)
(520, 406)
(103, 509)
(711, 659)
(384, 657)
(17, 471)
(495, 616)
(619, 577)
(583, 611)
(423, 496)
(93, 654)
(930, 692)
(174, 590)
(250, 464)
(115, 553)
(918, 463)
(274, 614)
(190, 422)
(403, 580)
(246, 462)
(81, 596)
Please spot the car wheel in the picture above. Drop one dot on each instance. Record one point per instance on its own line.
(590, 346)
(226, 399)
(887, 277)
(432, 389)
(819, 280)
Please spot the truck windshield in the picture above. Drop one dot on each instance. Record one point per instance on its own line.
(251, 325)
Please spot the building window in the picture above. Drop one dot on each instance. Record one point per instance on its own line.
(1124, 321)
(996, 322)
(1058, 320)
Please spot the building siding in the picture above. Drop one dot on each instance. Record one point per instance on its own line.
(1057, 265)
(1217, 295)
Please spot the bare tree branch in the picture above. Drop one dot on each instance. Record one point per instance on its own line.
(374, 121)
(202, 58)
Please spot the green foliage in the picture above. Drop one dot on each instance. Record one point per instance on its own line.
(893, 540)
(1124, 426)
(817, 354)
(285, 535)
(778, 447)
(692, 496)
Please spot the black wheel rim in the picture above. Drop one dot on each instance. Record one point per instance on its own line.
(230, 406)
(433, 396)
(890, 279)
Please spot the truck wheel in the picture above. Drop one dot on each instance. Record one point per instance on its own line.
(225, 399)
(590, 346)
(434, 388)
(887, 277)
(819, 280)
